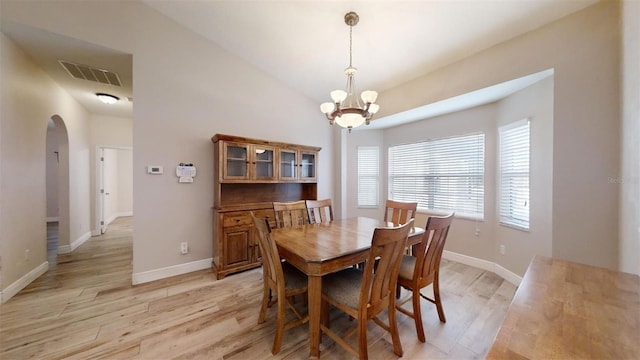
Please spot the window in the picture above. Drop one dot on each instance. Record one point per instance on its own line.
(368, 170)
(441, 174)
(514, 175)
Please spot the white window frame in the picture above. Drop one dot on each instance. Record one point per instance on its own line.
(368, 176)
(442, 175)
(514, 174)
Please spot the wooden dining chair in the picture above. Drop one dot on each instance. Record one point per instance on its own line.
(319, 211)
(399, 212)
(290, 214)
(422, 269)
(281, 279)
(363, 294)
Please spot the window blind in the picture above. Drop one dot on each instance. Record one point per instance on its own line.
(514, 174)
(368, 176)
(442, 174)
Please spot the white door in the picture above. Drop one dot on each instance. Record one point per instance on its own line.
(115, 185)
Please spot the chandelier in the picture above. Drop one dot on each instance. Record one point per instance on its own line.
(346, 109)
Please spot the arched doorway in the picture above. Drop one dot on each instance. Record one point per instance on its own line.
(57, 197)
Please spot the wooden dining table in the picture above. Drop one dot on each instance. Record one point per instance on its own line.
(320, 249)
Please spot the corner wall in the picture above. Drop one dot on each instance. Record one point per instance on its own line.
(583, 49)
(629, 252)
(29, 99)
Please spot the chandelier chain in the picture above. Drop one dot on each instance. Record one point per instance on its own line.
(350, 46)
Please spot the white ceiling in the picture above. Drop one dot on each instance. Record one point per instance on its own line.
(305, 44)
(47, 48)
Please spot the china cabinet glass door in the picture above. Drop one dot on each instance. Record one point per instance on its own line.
(307, 166)
(236, 161)
(264, 162)
(288, 164)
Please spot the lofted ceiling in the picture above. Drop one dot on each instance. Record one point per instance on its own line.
(305, 44)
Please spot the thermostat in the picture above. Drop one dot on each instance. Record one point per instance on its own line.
(154, 170)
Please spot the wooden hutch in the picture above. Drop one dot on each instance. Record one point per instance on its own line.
(249, 174)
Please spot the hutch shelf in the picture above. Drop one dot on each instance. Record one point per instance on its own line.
(250, 174)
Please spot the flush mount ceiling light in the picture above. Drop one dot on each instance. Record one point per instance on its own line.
(346, 109)
(107, 98)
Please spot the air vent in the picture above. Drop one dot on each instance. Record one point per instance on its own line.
(85, 72)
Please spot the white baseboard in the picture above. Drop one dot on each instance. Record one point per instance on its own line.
(53, 219)
(484, 265)
(65, 249)
(11, 290)
(97, 232)
(157, 274)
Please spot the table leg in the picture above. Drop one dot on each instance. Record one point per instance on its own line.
(315, 302)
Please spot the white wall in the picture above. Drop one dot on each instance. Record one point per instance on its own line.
(29, 99)
(186, 90)
(583, 49)
(630, 180)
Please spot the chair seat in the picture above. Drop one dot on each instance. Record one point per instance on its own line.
(407, 266)
(293, 278)
(344, 286)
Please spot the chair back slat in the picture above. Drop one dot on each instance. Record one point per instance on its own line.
(320, 211)
(432, 246)
(379, 281)
(290, 214)
(399, 212)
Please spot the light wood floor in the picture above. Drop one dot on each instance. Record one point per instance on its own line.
(86, 308)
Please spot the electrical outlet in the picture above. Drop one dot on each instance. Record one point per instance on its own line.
(477, 233)
(26, 254)
(503, 250)
(184, 248)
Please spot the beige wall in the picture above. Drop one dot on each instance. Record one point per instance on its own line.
(584, 51)
(29, 99)
(630, 175)
(125, 182)
(52, 159)
(535, 103)
(357, 138)
(186, 90)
